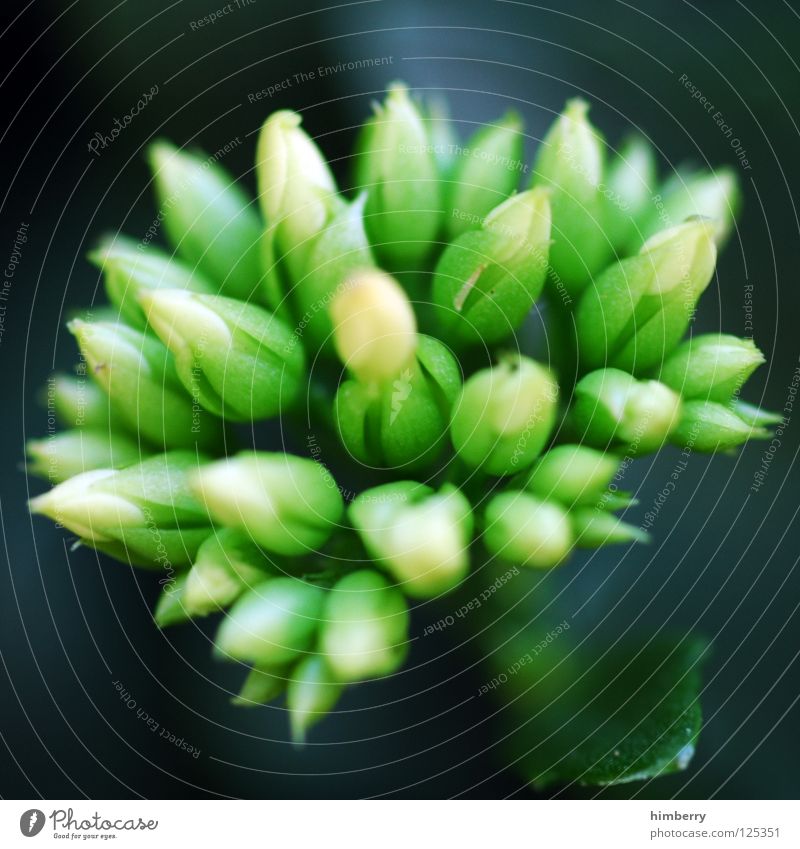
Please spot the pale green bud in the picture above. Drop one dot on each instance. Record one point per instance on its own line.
(146, 508)
(754, 415)
(208, 218)
(288, 505)
(169, 607)
(610, 407)
(713, 195)
(295, 187)
(272, 624)
(396, 165)
(311, 693)
(526, 530)
(71, 452)
(227, 564)
(375, 331)
(488, 279)
(138, 374)
(129, 269)
(571, 474)
(340, 249)
(420, 536)
(629, 190)
(639, 308)
(402, 423)
(486, 172)
(571, 161)
(711, 367)
(365, 628)
(79, 402)
(504, 415)
(260, 686)
(708, 426)
(236, 359)
(596, 528)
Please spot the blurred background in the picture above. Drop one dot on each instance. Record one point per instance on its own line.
(724, 558)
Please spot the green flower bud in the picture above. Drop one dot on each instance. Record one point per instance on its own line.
(714, 195)
(311, 693)
(571, 162)
(396, 165)
(272, 624)
(596, 528)
(71, 452)
(708, 427)
(169, 607)
(639, 308)
(487, 280)
(420, 536)
(208, 218)
(504, 415)
(610, 407)
(227, 564)
(288, 505)
(138, 374)
(295, 187)
(146, 509)
(571, 474)
(236, 359)
(129, 269)
(340, 249)
(79, 402)
(630, 187)
(375, 331)
(755, 416)
(403, 423)
(260, 686)
(486, 172)
(365, 629)
(711, 367)
(527, 531)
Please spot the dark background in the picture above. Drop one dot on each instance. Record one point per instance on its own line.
(724, 559)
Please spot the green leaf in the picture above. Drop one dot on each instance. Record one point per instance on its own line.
(629, 715)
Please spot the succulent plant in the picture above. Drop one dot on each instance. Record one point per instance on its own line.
(392, 323)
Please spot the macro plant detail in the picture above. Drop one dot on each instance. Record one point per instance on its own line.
(390, 325)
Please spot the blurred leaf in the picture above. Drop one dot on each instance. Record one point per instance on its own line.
(628, 715)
